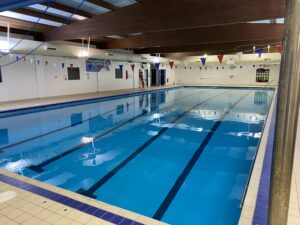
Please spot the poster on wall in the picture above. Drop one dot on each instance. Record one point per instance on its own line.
(95, 65)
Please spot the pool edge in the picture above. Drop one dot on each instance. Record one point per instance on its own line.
(251, 197)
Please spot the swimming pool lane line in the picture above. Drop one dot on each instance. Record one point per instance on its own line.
(62, 128)
(66, 127)
(90, 192)
(39, 168)
(188, 168)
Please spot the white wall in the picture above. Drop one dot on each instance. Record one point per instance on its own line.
(242, 75)
(28, 79)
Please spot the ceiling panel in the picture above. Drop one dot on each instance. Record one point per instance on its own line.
(87, 6)
(28, 18)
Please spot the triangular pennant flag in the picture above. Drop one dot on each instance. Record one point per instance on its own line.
(203, 60)
(121, 67)
(71, 65)
(46, 62)
(38, 62)
(89, 67)
(171, 64)
(157, 66)
(62, 65)
(239, 55)
(259, 51)
(132, 67)
(17, 57)
(279, 48)
(100, 67)
(126, 75)
(220, 57)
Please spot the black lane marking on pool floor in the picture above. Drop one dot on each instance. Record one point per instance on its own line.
(90, 192)
(39, 168)
(186, 171)
(63, 128)
(67, 201)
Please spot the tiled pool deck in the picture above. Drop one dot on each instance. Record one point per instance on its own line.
(37, 203)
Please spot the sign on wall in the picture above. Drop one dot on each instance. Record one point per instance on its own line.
(95, 65)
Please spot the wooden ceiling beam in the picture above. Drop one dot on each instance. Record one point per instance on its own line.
(157, 15)
(202, 35)
(179, 55)
(31, 12)
(104, 4)
(68, 9)
(37, 36)
(25, 25)
(232, 46)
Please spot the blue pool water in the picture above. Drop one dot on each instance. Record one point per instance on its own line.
(182, 156)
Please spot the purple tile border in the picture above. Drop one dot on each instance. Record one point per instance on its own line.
(261, 208)
(83, 207)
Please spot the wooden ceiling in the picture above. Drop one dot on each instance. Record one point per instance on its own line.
(173, 27)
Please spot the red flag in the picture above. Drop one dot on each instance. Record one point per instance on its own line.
(126, 74)
(132, 67)
(279, 48)
(220, 57)
(46, 62)
(171, 64)
(71, 65)
(99, 67)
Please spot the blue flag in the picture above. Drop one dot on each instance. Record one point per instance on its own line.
(259, 51)
(157, 65)
(203, 60)
(121, 67)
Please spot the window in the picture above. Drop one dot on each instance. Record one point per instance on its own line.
(73, 73)
(262, 75)
(118, 73)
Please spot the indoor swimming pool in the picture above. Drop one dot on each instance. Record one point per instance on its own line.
(180, 155)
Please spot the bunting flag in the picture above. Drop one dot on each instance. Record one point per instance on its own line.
(121, 67)
(62, 65)
(203, 60)
(279, 48)
(259, 51)
(171, 64)
(100, 67)
(46, 62)
(157, 66)
(239, 55)
(17, 57)
(71, 65)
(38, 62)
(132, 67)
(126, 75)
(220, 57)
(89, 67)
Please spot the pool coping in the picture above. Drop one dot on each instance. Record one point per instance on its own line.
(83, 204)
(255, 194)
